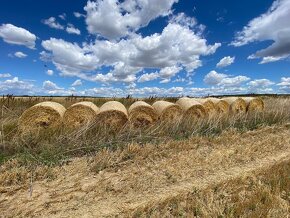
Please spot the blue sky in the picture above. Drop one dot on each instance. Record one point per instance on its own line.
(144, 47)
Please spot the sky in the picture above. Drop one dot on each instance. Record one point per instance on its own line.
(144, 47)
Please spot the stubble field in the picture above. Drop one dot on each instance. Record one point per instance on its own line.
(223, 166)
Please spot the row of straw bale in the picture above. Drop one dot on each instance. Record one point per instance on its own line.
(113, 114)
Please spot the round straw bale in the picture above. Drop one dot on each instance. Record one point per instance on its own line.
(237, 105)
(42, 116)
(142, 114)
(167, 111)
(192, 109)
(113, 115)
(208, 105)
(254, 104)
(222, 106)
(79, 114)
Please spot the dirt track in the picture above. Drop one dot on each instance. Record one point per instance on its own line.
(153, 175)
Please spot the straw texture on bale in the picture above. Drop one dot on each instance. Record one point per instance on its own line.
(222, 106)
(42, 116)
(142, 114)
(80, 114)
(254, 104)
(237, 105)
(113, 115)
(167, 111)
(191, 108)
(209, 106)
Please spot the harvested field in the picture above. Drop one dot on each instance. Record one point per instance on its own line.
(177, 177)
(229, 165)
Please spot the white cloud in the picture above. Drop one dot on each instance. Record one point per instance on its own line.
(284, 84)
(224, 80)
(52, 23)
(226, 61)
(78, 82)
(69, 58)
(214, 78)
(272, 25)
(51, 88)
(48, 85)
(5, 75)
(72, 30)
(148, 77)
(62, 16)
(20, 54)
(183, 20)
(78, 15)
(146, 91)
(165, 74)
(269, 59)
(16, 86)
(234, 81)
(17, 35)
(49, 72)
(113, 19)
(103, 91)
(260, 85)
(176, 46)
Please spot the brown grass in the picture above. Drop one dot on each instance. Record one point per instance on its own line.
(235, 174)
(232, 165)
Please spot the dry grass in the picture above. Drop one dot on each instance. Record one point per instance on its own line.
(130, 165)
(233, 175)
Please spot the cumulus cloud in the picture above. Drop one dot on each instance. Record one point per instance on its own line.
(148, 77)
(176, 46)
(183, 20)
(51, 88)
(69, 58)
(49, 72)
(272, 25)
(52, 23)
(17, 35)
(260, 85)
(284, 84)
(224, 80)
(5, 75)
(226, 61)
(113, 19)
(20, 54)
(16, 86)
(214, 78)
(48, 85)
(72, 30)
(78, 82)
(165, 74)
